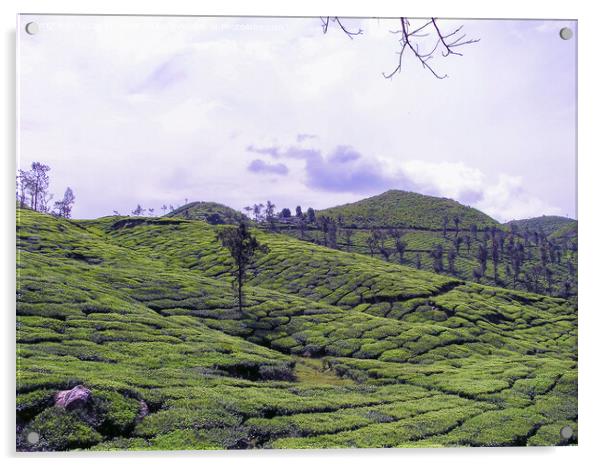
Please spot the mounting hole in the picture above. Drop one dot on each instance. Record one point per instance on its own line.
(33, 438)
(566, 33)
(32, 28)
(566, 432)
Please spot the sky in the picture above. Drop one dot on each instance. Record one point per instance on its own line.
(160, 110)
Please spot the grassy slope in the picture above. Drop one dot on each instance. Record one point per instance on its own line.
(407, 209)
(549, 224)
(211, 212)
(421, 243)
(381, 354)
(420, 218)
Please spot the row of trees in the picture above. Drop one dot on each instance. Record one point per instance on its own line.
(527, 256)
(33, 192)
(267, 212)
(140, 211)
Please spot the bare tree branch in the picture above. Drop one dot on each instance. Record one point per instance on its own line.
(326, 21)
(411, 39)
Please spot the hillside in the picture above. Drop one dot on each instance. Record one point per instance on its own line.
(333, 349)
(566, 232)
(407, 209)
(210, 212)
(409, 229)
(549, 224)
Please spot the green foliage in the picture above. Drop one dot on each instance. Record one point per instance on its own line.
(334, 349)
(210, 212)
(549, 224)
(406, 209)
(59, 430)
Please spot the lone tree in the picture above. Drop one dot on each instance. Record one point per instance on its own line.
(482, 258)
(64, 206)
(243, 247)
(451, 260)
(33, 185)
(400, 244)
(474, 231)
(270, 214)
(437, 255)
(322, 223)
(348, 234)
(139, 211)
(495, 258)
(381, 241)
(302, 225)
(257, 212)
(457, 224)
(372, 242)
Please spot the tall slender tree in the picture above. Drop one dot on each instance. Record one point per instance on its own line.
(270, 214)
(437, 255)
(451, 260)
(243, 247)
(400, 244)
(348, 234)
(482, 258)
(457, 224)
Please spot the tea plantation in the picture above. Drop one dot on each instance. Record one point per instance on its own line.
(537, 255)
(333, 349)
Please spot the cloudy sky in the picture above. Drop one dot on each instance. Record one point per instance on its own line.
(153, 110)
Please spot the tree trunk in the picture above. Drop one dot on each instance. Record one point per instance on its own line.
(240, 278)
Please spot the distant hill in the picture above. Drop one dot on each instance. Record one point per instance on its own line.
(548, 223)
(407, 209)
(210, 212)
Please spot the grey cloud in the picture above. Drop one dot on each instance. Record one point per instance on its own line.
(343, 170)
(336, 173)
(259, 166)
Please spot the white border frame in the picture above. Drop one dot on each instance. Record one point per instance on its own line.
(589, 189)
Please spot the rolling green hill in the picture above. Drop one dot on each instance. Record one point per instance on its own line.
(406, 209)
(549, 224)
(537, 255)
(210, 212)
(333, 349)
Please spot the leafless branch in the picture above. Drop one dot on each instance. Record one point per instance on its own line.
(446, 42)
(335, 19)
(412, 40)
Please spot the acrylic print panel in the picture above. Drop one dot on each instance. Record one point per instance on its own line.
(259, 233)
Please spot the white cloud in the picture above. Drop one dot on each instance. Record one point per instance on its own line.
(506, 200)
(503, 198)
(451, 179)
